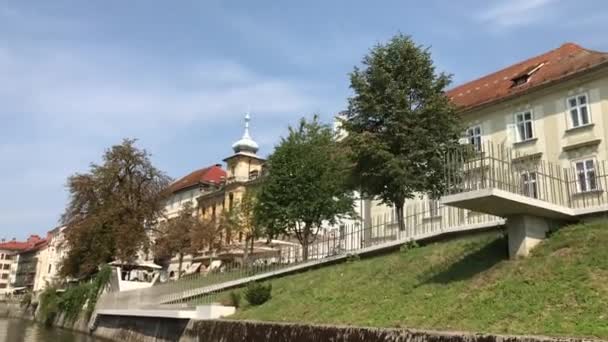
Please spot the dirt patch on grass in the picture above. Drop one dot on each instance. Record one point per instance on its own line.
(563, 252)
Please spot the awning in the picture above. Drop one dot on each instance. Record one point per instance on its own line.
(137, 264)
(193, 268)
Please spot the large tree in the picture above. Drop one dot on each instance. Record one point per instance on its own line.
(305, 184)
(400, 123)
(247, 221)
(174, 237)
(110, 207)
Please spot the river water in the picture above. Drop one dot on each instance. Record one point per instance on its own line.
(18, 330)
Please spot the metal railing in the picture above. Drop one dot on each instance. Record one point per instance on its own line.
(420, 222)
(495, 166)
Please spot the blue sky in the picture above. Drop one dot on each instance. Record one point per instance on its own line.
(78, 76)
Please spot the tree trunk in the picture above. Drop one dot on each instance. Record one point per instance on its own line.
(246, 252)
(399, 210)
(305, 241)
(179, 265)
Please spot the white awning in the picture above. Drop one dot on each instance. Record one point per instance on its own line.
(137, 264)
(193, 268)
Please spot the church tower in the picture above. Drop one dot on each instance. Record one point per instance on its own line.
(244, 165)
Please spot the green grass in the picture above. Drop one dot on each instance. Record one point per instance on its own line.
(463, 284)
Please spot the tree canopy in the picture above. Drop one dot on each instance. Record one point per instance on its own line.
(400, 123)
(110, 207)
(306, 183)
(184, 234)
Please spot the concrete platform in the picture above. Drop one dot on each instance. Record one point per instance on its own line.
(506, 204)
(201, 312)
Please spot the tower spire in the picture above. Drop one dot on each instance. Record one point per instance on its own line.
(246, 143)
(247, 119)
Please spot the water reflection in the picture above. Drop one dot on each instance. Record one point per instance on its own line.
(17, 330)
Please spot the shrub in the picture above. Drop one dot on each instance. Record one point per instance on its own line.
(353, 258)
(233, 299)
(26, 299)
(48, 306)
(73, 299)
(409, 246)
(257, 293)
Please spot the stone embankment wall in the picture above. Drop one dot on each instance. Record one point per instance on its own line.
(15, 310)
(130, 329)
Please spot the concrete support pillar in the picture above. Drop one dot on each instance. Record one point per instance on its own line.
(525, 232)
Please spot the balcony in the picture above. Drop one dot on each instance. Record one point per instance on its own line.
(504, 183)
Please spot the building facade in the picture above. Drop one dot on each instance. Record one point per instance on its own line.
(551, 108)
(9, 251)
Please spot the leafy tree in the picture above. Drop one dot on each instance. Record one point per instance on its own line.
(110, 207)
(306, 183)
(175, 235)
(247, 221)
(399, 123)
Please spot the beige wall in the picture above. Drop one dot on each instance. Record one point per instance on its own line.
(551, 125)
(6, 261)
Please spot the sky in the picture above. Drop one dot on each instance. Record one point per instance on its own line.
(79, 76)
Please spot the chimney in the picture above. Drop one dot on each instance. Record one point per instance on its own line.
(3, 240)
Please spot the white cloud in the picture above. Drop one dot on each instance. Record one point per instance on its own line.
(512, 13)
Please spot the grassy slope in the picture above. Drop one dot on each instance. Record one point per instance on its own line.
(463, 284)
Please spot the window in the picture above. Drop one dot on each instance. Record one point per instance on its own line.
(6, 266)
(5, 276)
(474, 136)
(2, 286)
(585, 172)
(523, 123)
(579, 110)
(528, 184)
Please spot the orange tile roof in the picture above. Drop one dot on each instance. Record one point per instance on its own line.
(33, 241)
(558, 64)
(209, 175)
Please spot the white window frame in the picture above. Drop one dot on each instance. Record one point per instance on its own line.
(578, 107)
(475, 138)
(529, 184)
(523, 123)
(585, 173)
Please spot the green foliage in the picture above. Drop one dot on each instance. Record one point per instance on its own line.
(306, 183)
(109, 209)
(258, 293)
(98, 284)
(353, 258)
(26, 299)
(400, 124)
(48, 305)
(233, 299)
(72, 301)
(464, 284)
(406, 247)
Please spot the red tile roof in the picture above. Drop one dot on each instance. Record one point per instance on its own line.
(558, 64)
(33, 241)
(209, 175)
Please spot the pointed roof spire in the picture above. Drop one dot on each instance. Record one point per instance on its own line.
(246, 144)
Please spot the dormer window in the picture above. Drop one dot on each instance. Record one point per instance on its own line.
(525, 76)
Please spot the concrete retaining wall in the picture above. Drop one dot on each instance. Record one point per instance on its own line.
(229, 331)
(15, 310)
(131, 329)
